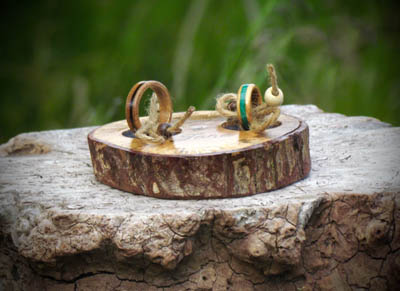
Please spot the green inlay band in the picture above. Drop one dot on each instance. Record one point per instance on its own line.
(245, 122)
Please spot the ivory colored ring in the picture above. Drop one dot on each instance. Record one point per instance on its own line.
(271, 99)
(136, 94)
(248, 95)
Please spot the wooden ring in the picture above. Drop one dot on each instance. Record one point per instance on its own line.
(133, 101)
(248, 95)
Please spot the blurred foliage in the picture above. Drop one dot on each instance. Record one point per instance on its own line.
(71, 63)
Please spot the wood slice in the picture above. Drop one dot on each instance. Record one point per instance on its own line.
(205, 161)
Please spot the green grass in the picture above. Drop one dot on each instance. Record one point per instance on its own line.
(71, 63)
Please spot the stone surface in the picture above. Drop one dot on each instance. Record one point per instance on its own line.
(336, 230)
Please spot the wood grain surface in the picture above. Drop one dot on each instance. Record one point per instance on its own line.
(205, 161)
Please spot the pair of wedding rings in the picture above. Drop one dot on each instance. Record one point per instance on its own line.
(249, 95)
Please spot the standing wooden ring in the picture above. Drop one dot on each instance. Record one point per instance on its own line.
(248, 95)
(136, 94)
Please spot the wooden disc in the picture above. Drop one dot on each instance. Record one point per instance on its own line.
(205, 161)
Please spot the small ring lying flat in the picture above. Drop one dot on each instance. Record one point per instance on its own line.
(248, 95)
(136, 94)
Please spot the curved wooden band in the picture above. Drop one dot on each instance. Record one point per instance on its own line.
(248, 95)
(133, 101)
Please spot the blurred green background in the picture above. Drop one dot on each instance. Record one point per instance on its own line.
(71, 63)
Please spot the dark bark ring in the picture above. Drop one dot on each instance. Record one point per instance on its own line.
(133, 101)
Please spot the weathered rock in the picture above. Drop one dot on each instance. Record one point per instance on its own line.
(23, 146)
(339, 229)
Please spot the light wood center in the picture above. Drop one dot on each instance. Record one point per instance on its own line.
(202, 135)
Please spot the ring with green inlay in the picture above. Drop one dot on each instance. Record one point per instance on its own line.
(248, 95)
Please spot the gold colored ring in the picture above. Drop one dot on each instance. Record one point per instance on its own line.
(136, 94)
(248, 95)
